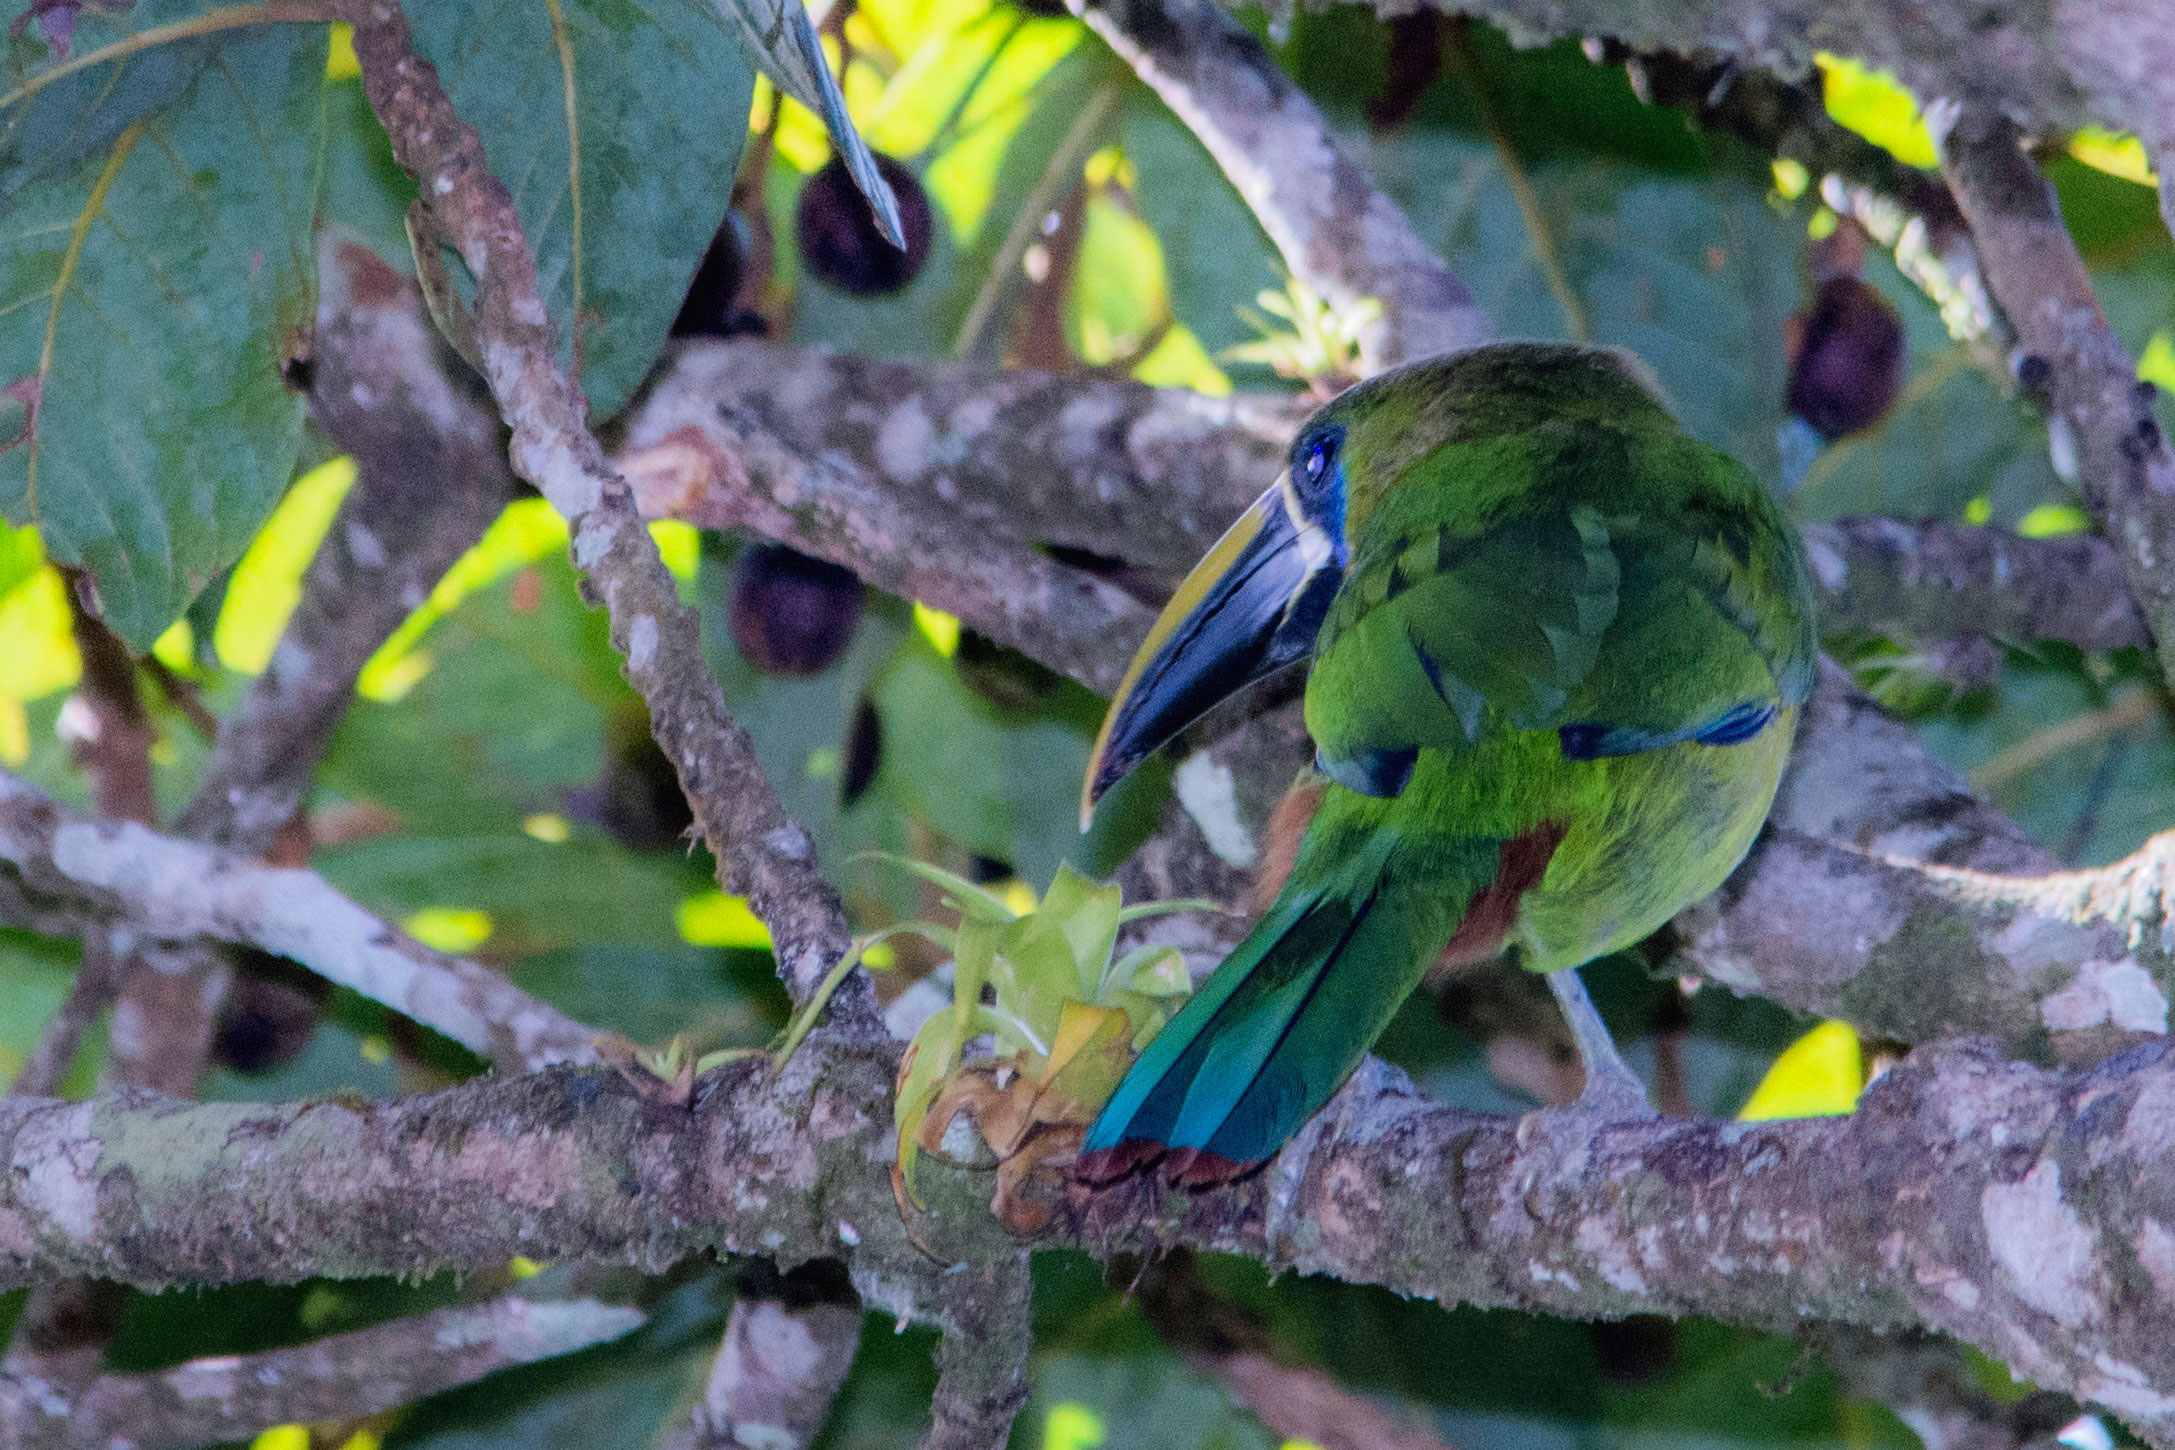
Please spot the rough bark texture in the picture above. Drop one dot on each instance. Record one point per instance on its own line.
(2099, 412)
(2021, 1209)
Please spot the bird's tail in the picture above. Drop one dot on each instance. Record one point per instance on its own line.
(1287, 1016)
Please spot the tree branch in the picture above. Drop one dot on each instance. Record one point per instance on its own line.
(61, 873)
(789, 1341)
(1337, 230)
(981, 1365)
(341, 1377)
(1936, 581)
(2020, 1209)
(2052, 66)
(760, 852)
(2100, 414)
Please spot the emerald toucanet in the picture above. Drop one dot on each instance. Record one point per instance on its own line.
(1558, 653)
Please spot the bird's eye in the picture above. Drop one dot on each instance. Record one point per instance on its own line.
(1318, 460)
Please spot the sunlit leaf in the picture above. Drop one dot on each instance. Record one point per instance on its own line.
(1819, 1075)
(1876, 106)
(267, 582)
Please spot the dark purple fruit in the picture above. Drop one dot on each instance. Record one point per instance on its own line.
(1047, 9)
(1635, 1351)
(864, 752)
(838, 237)
(269, 1015)
(1002, 675)
(712, 307)
(1847, 365)
(792, 615)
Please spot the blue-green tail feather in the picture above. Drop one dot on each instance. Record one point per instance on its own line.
(1288, 1015)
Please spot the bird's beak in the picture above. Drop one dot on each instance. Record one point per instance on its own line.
(1252, 606)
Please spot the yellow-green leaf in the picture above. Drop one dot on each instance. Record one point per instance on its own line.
(1819, 1075)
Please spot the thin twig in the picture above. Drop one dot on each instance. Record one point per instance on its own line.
(761, 853)
(164, 890)
(233, 1397)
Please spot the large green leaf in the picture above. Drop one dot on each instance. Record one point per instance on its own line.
(1215, 252)
(156, 272)
(1695, 273)
(617, 126)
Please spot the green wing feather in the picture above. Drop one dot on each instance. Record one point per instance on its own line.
(1644, 619)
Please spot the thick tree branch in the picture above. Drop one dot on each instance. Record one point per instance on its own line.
(2052, 64)
(2100, 414)
(1935, 581)
(344, 1376)
(2021, 1209)
(1336, 229)
(61, 873)
(761, 853)
(1096, 489)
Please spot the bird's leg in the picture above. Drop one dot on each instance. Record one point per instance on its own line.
(1612, 1089)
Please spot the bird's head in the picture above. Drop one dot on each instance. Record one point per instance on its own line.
(1256, 601)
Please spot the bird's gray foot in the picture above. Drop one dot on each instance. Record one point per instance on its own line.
(1612, 1089)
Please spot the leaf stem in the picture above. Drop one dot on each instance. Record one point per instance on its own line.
(1521, 189)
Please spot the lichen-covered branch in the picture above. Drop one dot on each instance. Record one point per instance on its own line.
(2018, 1208)
(2101, 415)
(977, 490)
(1338, 232)
(345, 1376)
(761, 853)
(1932, 580)
(122, 879)
(2052, 64)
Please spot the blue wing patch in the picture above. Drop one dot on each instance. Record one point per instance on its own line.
(1590, 740)
(1379, 773)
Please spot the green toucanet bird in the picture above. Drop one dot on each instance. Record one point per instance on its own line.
(1558, 653)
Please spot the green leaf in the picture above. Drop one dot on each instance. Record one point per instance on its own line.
(1215, 255)
(366, 191)
(618, 128)
(159, 273)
